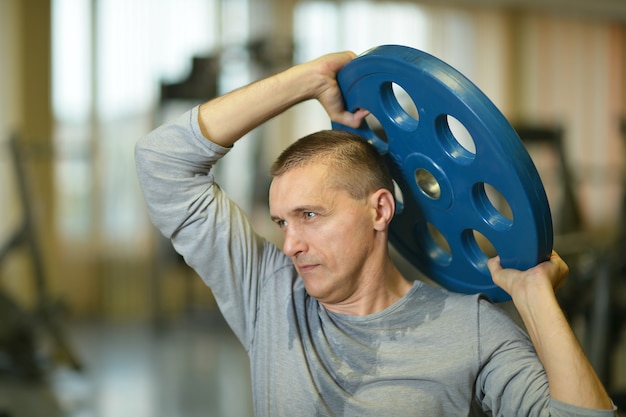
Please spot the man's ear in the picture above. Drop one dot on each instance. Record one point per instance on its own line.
(384, 206)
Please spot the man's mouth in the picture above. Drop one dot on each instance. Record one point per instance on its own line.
(304, 268)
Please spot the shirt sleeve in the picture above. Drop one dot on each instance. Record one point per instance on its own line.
(512, 380)
(213, 235)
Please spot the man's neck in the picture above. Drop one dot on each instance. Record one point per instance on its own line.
(375, 294)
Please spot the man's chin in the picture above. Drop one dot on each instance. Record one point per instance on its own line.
(314, 287)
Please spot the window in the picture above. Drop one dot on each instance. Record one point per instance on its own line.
(107, 66)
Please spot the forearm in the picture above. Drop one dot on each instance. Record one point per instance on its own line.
(571, 377)
(227, 118)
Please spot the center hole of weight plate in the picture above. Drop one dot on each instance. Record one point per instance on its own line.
(427, 183)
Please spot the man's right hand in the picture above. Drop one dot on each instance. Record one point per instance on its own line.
(330, 95)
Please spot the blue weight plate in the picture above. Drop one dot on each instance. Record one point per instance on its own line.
(467, 188)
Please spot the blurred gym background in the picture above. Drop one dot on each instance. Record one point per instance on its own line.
(98, 316)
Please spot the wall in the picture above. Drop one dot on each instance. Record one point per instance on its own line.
(10, 109)
(25, 112)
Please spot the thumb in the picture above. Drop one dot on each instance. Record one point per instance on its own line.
(352, 120)
(502, 277)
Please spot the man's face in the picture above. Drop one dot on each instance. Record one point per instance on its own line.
(329, 236)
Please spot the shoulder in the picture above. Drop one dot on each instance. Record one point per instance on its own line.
(430, 296)
(465, 309)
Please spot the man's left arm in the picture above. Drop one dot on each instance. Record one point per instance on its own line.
(571, 377)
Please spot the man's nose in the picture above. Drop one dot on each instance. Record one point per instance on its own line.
(294, 244)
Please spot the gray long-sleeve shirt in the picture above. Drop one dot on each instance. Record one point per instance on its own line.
(432, 353)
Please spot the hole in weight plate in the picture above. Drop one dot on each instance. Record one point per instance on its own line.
(461, 135)
(455, 139)
(376, 127)
(439, 249)
(479, 248)
(405, 101)
(497, 201)
(399, 197)
(493, 206)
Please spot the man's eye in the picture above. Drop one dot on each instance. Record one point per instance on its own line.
(281, 223)
(309, 214)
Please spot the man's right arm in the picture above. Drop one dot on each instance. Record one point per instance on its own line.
(174, 166)
(225, 119)
(177, 151)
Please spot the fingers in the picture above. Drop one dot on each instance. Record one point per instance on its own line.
(494, 264)
(329, 94)
(349, 119)
(338, 60)
(503, 278)
(560, 263)
(555, 260)
(561, 270)
(551, 273)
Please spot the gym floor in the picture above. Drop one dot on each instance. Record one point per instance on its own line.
(139, 370)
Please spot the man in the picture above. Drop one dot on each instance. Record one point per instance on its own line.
(331, 326)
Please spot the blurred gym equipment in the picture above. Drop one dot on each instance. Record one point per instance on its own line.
(24, 333)
(593, 297)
